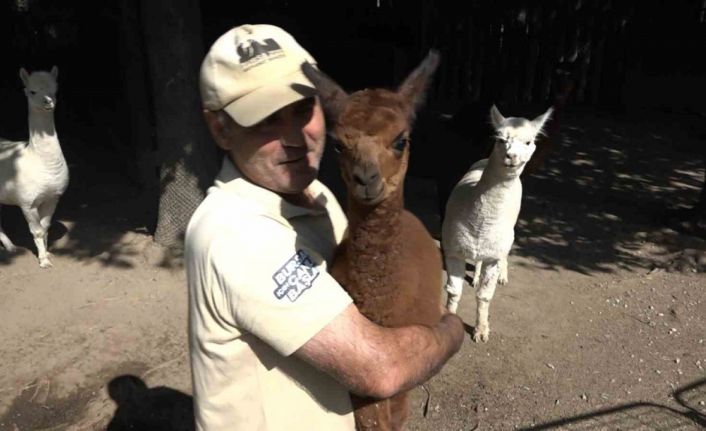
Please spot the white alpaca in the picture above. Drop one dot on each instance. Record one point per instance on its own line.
(33, 173)
(482, 211)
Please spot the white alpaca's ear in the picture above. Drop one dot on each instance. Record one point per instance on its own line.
(539, 122)
(496, 117)
(24, 76)
(54, 72)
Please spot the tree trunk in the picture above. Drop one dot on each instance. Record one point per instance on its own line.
(172, 31)
(136, 107)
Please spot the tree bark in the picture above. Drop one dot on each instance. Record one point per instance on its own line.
(187, 158)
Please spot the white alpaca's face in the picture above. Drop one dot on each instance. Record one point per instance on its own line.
(515, 138)
(516, 143)
(40, 89)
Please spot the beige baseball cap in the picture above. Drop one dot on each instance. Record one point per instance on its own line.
(252, 71)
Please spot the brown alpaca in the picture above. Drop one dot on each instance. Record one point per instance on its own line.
(388, 262)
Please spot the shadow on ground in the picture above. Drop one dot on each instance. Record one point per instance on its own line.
(149, 409)
(641, 416)
(605, 189)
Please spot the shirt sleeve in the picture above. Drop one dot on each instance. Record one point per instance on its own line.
(275, 288)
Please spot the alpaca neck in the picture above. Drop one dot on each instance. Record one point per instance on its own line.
(497, 175)
(42, 135)
(373, 248)
(371, 227)
(501, 191)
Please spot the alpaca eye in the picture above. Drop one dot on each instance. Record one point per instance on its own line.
(401, 144)
(32, 92)
(528, 142)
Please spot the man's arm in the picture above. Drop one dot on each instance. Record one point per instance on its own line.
(371, 360)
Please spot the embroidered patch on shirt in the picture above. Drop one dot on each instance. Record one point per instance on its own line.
(295, 276)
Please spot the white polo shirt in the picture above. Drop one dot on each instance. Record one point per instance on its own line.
(258, 290)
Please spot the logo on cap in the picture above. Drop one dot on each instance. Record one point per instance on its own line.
(253, 53)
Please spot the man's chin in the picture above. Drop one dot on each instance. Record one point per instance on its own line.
(299, 180)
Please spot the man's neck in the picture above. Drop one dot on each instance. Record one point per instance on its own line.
(304, 199)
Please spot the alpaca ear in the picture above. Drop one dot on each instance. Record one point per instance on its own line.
(539, 122)
(54, 72)
(414, 88)
(331, 95)
(24, 76)
(496, 118)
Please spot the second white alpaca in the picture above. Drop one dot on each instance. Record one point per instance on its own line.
(481, 213)
(33, 173)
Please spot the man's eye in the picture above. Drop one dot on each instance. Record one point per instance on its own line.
(266, 123)
(305, 107)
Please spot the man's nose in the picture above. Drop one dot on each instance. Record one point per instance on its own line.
(291, 135)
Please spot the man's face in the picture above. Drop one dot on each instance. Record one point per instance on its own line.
(282, 152)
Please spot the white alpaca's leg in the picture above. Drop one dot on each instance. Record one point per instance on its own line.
(456, 270)
(9, 246)
(502, 265)
(476, 273)
(46, 211)
(489, 279)
(35, 227)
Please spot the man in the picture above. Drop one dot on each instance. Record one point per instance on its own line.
(276, 343)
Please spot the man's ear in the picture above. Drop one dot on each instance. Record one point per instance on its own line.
(219, 128)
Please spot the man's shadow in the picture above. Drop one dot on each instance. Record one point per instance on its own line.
(149, 409)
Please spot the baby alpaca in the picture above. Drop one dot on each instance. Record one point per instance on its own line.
(33, 173)
(481, 213)
(388, 262)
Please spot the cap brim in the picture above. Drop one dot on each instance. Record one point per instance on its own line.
(266, 100)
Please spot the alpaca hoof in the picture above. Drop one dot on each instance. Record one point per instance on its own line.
(475, 282)
(452, 306)
(481, 334)
(45, 263)
(10, 248)
(502, 280)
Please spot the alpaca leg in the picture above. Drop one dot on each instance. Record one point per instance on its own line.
(399, 411)
(46, 211)
(9, 246)
(476, 274)
(502, 266)
(456, 272)
(489, 279)
(35, 227)
(371, 415)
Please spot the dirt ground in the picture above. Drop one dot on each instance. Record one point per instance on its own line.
(601, 327)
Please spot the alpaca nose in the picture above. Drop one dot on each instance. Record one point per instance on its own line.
(512, 158)
(48, 102)
(365, 175)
